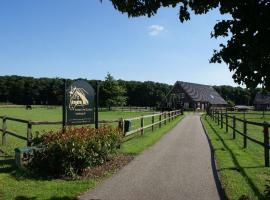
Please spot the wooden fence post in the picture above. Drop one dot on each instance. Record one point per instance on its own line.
(245, 133)
(169, 116)
(221, 120)
(142, 125)
(29, 133)
(160, 120)
(218, 117)
(121, 125)
(227, 122)
(4, 127)
(234, 127)
(266, 145)
(153, 121)
(165, 118)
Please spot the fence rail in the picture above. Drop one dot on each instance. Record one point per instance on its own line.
(218, 117)
(167, 116)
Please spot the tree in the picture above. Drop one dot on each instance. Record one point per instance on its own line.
(247, 52)
(113, 92)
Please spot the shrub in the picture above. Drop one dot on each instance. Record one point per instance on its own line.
(69, 152)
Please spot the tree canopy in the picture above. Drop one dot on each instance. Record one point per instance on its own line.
(49, 91)
(247, 51)
(113, 92)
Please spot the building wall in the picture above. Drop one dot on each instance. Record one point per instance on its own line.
(186, 100)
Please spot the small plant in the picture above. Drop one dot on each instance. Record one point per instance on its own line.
(68, 152)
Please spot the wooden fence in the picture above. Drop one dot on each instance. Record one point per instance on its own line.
(222, 118)
(167, 117)
(164, 117)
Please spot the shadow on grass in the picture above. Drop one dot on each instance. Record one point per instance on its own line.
(222, 194)
(238, 167)
(8, 166)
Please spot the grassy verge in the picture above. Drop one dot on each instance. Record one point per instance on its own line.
(14, 186)
(242, 171)
(140, 143)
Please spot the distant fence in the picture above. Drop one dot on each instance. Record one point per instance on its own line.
(222, 118)
(167, 117)
(112, 108)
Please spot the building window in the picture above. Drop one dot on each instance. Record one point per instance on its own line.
(182, 95)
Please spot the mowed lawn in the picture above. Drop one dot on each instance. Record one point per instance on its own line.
(15, 185)
(52, 114)
(242, 171)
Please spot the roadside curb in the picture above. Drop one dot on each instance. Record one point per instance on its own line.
(220, 189)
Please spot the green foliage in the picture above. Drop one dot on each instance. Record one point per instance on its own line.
(40, 91)
(247, 51)
(237, 95)
(69, 152)
(242, 171)
(113, 92)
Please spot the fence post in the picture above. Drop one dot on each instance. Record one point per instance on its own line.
(165, 118)
(233, 127)
(266, 145)
(121, 125)
(221, 119)
(142, 125)
(153, 121)
(4, 127)
(215, 116)
(29, 133)
(218, 117)
(160, 120)
(169, 116)
(226, 122)
(245, 133)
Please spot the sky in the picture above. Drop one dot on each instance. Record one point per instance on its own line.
(88, 39)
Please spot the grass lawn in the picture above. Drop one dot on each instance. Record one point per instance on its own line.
(44, 114)
(241, 170)
(15, 186)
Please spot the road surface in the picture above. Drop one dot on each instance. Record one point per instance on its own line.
(178, 166)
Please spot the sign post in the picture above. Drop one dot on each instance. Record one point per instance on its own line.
(64, 104)
(96, 105)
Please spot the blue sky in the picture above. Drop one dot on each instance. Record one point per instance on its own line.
(87, 39)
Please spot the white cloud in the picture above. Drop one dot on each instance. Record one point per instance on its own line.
(155, 29)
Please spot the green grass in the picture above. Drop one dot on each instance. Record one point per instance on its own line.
(241, 170)
(44, 114)
(15, 186)
(139, 143)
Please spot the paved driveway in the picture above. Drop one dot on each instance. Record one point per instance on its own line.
(177, 167)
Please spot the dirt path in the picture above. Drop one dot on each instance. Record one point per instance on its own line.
(177, 167)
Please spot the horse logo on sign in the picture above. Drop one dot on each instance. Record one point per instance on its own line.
(79, 103)
(77, 98)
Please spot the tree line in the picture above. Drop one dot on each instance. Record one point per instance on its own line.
(49, 91)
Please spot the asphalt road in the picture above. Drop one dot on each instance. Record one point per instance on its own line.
(177, 167)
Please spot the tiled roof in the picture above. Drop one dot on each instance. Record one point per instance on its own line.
(203, 93)
(262, 98)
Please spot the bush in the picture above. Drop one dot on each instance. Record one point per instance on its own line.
(68, 153)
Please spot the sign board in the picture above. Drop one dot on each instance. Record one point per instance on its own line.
(79, 103)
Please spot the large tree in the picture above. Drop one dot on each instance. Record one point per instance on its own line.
(113, 92)
(247, 51)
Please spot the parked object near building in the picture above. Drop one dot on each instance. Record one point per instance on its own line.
(262, 101)
(193, 96)
(243, 108)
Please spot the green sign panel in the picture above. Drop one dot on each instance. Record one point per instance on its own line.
(80, 103)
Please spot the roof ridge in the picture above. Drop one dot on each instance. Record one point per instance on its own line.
(194, 83)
